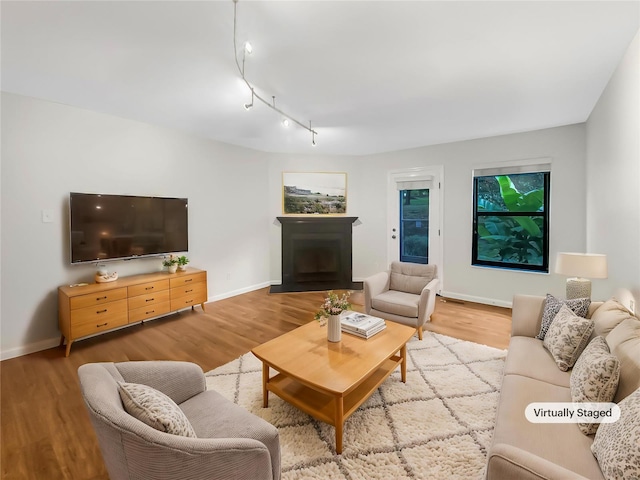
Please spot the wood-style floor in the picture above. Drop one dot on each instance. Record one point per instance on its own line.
(46, 433)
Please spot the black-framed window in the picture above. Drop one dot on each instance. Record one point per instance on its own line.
(511, 220)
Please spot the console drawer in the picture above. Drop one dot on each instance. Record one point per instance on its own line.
(188, 279)
(97, 298)
(142, 301)
(149, 311)
(90, 320)
(150, 287)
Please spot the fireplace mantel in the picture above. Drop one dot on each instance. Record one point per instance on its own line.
(316, 254)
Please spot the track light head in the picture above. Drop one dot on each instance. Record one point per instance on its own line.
(247, 106)
(285, 122)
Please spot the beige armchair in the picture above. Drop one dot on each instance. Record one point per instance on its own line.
(404, 294)
(231, 443)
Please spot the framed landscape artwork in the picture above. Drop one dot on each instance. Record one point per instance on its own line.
(314, 193)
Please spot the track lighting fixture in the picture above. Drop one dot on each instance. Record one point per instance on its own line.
(247, 50)
(248, 106)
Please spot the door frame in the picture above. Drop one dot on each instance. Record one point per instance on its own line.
(435, 174)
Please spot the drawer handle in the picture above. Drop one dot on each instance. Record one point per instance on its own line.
(188, 301)
(101, 311)
(101, 298)
(188, 291)
(102, 325)
(149, 288)
(149, 299)
(147, 313)
(188, 280)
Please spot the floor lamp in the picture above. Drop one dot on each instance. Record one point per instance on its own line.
(581, 267)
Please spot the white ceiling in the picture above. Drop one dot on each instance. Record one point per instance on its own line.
(371, 76)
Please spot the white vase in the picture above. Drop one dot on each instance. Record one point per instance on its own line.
(182, 268)
(173, 268)
(334, 333)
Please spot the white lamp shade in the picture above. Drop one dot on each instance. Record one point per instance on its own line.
(582, 265)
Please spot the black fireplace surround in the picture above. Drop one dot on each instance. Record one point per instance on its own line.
(316, 254)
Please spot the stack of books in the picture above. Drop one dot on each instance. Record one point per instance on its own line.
(362, 325)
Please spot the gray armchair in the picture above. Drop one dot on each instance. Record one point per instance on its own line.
(404, 294)
(232, 443)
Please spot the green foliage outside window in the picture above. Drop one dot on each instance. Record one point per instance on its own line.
(511, 226)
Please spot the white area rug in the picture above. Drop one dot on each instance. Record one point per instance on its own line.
(436, 426)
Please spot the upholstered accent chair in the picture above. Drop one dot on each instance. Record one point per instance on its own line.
(231, 442)
(406, 293)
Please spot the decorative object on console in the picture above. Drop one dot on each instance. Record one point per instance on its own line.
(182, 263)
(102, 276)
(552, 305)
(314, 193)
(171, 263)
(580, 267)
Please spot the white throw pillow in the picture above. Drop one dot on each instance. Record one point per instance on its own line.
(594, 378)
(608, 315)
(617, 445)
(155, 409)
(567, 336)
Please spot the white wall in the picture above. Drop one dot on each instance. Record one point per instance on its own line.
(613, 177)
(49, 150)
(366, 199)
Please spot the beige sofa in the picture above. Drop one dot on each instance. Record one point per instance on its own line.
(524, 450)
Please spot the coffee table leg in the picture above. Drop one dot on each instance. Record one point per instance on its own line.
(339, 422)
(403, 367)
(265, 380)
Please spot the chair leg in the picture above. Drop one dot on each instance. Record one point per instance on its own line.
(420, 333)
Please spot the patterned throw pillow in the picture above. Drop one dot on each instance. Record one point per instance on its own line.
(617, 445)
(567, 336)
(594, 378)
(155, 409)
(579, 306)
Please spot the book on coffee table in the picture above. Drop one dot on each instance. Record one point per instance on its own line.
(370, 333)
(362, 324)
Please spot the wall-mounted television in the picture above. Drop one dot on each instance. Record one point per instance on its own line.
(119, 227)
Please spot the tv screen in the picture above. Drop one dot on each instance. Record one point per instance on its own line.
(112, 227)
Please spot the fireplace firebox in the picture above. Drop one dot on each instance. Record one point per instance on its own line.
(316, 254)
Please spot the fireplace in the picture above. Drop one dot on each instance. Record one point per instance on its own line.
(316, 254)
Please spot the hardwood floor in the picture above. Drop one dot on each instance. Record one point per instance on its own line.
(46, 433)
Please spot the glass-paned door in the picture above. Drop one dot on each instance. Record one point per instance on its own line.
(414, 226)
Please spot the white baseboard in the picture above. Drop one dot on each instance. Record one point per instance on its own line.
(239, 291)
(471, 298)
(30, 348)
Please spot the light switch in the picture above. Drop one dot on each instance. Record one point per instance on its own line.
(47, 216)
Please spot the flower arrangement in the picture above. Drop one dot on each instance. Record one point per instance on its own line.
(334, 304)
(169, 262)
(182, 261)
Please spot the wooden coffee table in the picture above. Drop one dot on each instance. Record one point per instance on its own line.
(329, 381)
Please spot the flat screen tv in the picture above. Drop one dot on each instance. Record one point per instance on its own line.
(118, 227)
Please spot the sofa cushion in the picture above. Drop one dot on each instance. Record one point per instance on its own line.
(560, 443)
(410, 277)
(617, 445)
(155, 409)
(594, 378)
(527, 357)
(579, 306)
(624, 343)
(567, 337)
(608, 316)
(398, 303)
